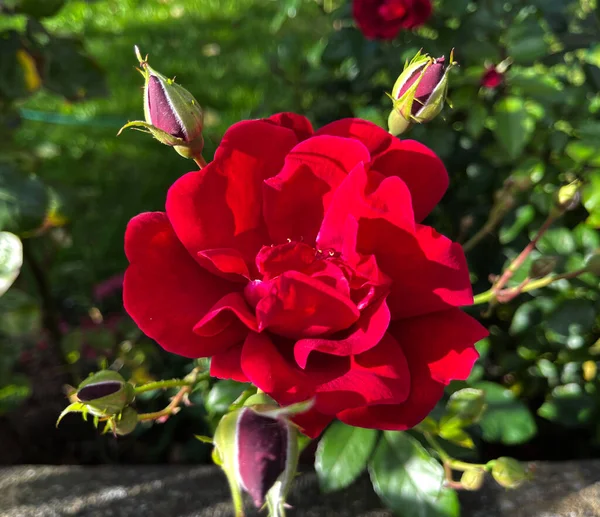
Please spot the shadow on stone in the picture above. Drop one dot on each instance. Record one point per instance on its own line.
(569, 489)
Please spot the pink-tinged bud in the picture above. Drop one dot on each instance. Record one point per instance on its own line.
(262, 449)
(428, 76)
(257, 447)
(173, 116)
(419, 92)
(161, 113)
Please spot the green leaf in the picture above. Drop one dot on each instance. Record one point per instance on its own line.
(477, 115)
(40, 9)
(14, 393)
(571, 320)
(11, 260)
(591, 198)
(70, 72)
(467, 404)
(409, 480)
(222, 395)
(556, 241)
(515, 223)
(506, 419)
(24, 201)
(568, 405)
(583, 152)
(20, 314)
(342, 455)
(13, 79)
(514, 125)
(530, 314)
(451, 429)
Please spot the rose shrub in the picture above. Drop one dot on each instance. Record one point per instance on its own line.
(383, 19)
(297, 260)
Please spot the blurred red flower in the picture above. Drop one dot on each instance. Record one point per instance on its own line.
(492, 78)
(298, 261)
(383, 19)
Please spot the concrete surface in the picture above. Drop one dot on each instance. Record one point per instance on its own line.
(569, 489)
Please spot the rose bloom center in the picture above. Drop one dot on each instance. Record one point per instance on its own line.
(309, 292)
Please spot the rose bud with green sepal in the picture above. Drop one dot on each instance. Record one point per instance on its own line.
(106, 393)
(257, 447)
(508, 472)
(419, 92)
(472, 479)
(173, 116)
(568, 196)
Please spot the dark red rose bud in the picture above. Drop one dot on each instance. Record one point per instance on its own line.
(262, 444)
(428, 81)
(492, 78)
(173, 116)
(161, 113)
(98, 390)
(257, 447)
(419, 92)
(383, 19)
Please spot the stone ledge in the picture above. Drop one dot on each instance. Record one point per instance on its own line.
(569, 489)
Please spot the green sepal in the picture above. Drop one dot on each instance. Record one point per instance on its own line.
(188, 150)
(277, 495)
(75, 407)
(225, 444)
(203, 439)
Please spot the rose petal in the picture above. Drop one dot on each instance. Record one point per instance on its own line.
(376, 139)
(167, 293)
(274, 260)
(312, 422)
(445, 341)
(225, 262)
(417, 165)
(388, 206)
(297, 123)
(420, 168)
(230, 309)
(429, 274)
(378, 376)
(296, 199)
(271, 368)
(227, 365)
(300, 306)
(220, 206)
(439, 348)
(363, 335)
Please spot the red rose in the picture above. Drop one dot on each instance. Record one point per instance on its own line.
(298, 262)
(492, 78)
(383, 19)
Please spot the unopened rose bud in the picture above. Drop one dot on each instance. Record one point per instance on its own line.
(472, 479)
(494, 74)
(105, 393)
(173, 116)
(508, 472)
(420, 91)
(569, 196)
(257, 452)
(542, 267)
